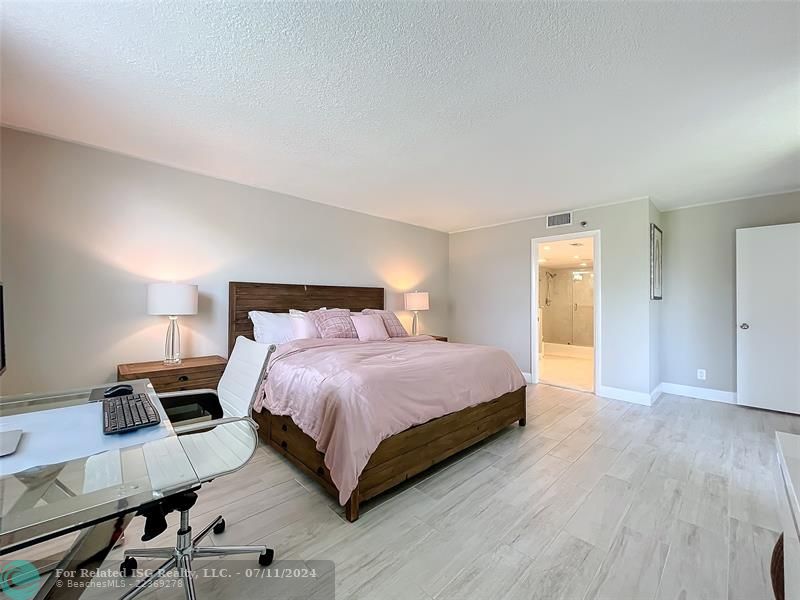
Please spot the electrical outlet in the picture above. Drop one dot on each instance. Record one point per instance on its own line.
(701, 374)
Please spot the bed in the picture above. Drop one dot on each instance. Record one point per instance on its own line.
(396, 458)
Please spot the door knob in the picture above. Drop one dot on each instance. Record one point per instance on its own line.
(744, 326)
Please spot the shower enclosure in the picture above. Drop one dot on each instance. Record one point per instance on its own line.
(566, 297)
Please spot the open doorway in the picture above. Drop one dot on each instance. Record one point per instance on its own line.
(566, 311)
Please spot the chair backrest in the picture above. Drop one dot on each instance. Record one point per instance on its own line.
(239, 383)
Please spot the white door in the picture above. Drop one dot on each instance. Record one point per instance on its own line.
(768, 317)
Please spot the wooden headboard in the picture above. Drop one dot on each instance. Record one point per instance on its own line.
(280, 297)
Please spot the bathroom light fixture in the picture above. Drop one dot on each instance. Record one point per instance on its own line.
(583, 264)
(547, 247)
(542, 260)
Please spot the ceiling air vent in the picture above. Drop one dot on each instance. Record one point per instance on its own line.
(559, 220)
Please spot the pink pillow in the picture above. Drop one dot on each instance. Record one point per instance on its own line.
(303, 327)
(370, 328)
(334, 323)
(393, 325)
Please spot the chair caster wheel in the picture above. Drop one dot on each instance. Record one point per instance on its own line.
(219, 527)
(265, 559)
(128, 566)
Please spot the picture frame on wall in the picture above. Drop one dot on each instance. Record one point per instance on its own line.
(656, 262)
(2, 333)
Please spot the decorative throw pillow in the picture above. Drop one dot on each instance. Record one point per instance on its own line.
(370, 328)
(393, 325)
(271, 328)
(303, 327)
(334, 323)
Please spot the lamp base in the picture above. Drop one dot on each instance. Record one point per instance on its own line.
(172, 346)
(414, 323)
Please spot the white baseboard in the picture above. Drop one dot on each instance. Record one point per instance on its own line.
(656, 393)
(646, 399)
(666, 388)
(624, 395)
(699, 392)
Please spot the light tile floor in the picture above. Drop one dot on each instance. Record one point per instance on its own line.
(595, 498)
(567, 371)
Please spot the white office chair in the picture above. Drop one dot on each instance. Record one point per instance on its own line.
(212, 451)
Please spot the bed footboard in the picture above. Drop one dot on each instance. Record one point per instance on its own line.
(401, 456)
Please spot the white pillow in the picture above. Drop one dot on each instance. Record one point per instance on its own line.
(302, 326)
(271, 328)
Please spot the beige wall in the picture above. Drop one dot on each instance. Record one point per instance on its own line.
(490, 289)
(84, 231)
(698, 315)
(655, 217)
(644, 342)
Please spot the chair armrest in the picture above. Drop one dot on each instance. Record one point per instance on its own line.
(185, 393)
(203, 425)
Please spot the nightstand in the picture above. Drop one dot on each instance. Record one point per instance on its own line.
(439, 338)
(191, 374)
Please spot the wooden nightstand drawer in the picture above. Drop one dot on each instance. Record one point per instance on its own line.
(186, 381)
(191, 374)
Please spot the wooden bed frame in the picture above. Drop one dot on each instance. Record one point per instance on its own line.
(397, 458)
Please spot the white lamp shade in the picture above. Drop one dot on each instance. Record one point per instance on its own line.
(417, 301)
(171, 299)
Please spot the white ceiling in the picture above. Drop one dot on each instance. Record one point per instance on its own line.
(448, 115)
(565, 254)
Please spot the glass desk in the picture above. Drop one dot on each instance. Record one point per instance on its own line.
(103, 488)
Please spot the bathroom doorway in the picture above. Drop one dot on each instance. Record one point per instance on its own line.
(566, 290)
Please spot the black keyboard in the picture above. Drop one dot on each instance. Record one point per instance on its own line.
(126, 413)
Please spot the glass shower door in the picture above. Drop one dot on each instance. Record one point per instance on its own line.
(582, 308)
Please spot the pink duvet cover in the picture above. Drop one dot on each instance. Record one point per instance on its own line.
(350, 395)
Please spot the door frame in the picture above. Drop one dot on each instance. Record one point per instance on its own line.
(534, 307)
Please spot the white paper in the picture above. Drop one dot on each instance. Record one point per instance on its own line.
(63, 434)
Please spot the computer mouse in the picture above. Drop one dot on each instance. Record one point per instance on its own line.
(121, 389)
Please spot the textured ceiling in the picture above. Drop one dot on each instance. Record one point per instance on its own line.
(443, 114)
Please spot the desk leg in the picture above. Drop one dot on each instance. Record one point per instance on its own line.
(86, 555)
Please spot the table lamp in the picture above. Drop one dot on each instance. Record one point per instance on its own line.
(172, 300)
(416, 301)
